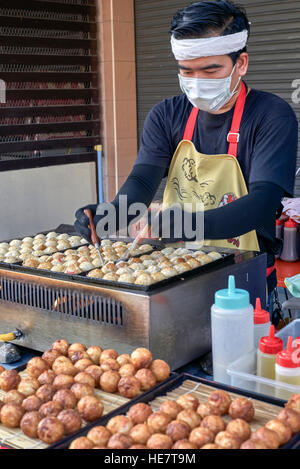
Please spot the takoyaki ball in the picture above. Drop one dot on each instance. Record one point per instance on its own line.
(96, 273)
(31, 404)
(50, 430)
(182, 267)
(126, 278)
(169, 272)
(90, 408)
(144, 279)
(1, 369)
(253, 444)
(160, 369)
(80, 390)
(123, 359)
(65, 398)
(221, 400)
(63, 382)
(76, 347)
(14, 397)
(71, 421)
(50, 409)
(30, 262)
(242, 408)
(206, 409)
(99, 435)
(289, 417)
(193, 263)
(106, 354)
(119, 424)
(78, 356)
(190, 417)
(200, 436)
(119, 441)
(184, 444)
(11, 415)
(239, 428)
(81, 443)
(28, 386)
(139, 413)
(95, 371)
(110, 267)
(158, 277)
(94, 353)
(178, 430)
(83, 363)
(210, 446)
(129, 387)
(140, 433)
(29, 424)
(171, 408)
(127, 370)
(64, 366)
(46, 392)
(9, 379)
(110, 364)
(146, 379)
(111, 277)
(293, 403)
(36, 366)
(109, 381)
(227, 441)
(283, 431)
(85, 378)
(158, 422)
(188, 401)
(268, 437)
(214, 423)
(137, 446)
(45, 266)
(141, 358)
(47, 377)
(159, 441)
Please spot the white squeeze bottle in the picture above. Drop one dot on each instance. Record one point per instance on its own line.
(262, 323)
(287, 368)
(232, 328)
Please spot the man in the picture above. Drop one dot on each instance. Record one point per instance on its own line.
(221, 143)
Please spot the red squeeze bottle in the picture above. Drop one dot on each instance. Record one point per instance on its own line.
(289, 251)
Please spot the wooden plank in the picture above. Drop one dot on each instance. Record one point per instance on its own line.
(51, 144)
(44, 161)
(27, 129)
(39, 111)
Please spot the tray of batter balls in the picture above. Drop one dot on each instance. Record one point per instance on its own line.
(188, 413)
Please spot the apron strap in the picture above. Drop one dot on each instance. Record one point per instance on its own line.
(233, 136)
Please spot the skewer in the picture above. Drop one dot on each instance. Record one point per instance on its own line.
(94, 237)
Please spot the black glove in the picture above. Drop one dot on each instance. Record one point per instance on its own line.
(82, 222)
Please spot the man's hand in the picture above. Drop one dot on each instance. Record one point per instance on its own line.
(82, 222)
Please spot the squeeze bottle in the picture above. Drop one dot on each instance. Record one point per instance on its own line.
(232, 328)
(262, 323)
(287, 368)
(269, 347)
(279, 226)
(289, 251)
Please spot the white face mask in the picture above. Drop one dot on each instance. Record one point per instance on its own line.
(208, 94)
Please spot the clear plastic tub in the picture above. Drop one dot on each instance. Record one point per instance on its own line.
(292, 329)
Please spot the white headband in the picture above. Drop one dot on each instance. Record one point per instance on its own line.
(189, 49)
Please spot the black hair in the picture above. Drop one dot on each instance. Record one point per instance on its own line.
(206, 18)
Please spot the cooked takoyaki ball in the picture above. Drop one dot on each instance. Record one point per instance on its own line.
(129, 387)
(184, 444)
(221, 400)
(146, 379)
(139, 413)
(76, 347)
(46, 392)
(123, 359)
(1, 369)
(50, 430)
(94, 352)
(284, 432)
(81, 443)
(267, 436)
(294, 403)
(61, 346)
(210, 446)
(9, 379)
(178, 430)
(47, 377)
(13, 397)
(58, 268)
(214, 255)
(200, 436)
(158, 277)
(119, 441)
(85, 378)
(106, 354)
(190, 417)
(45, 266)
(141, 358)
(171, 408)
(127, 370)
(152, 269)
(188, 401)
(29, 424)
(253, 444)
(158, 422)
(110, 267)
(31, 403)
(119, 424)
(28, 386)
(110, 364)
(80, 390)
(65, 398)
(226, 440)
(109, 381)
(160, 369)
(169, 272)
(182, 267)
(50, 409)
(64, 366)
(77, 356)
(240, 429)
(11, 415)
(83, 363)
(205, 409)
(242, 408)
(90, 408)
(288, 417)
(95, 371)
(144, 279)
(30, 262)
(63, 382)
(71, 421)
(126, 278)
(214, 423)
(99, 436)
(159, 441)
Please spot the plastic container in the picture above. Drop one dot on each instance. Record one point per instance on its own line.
(292, 329)
(287, 368)
(232, 328)
(262, 323)
(289, 252)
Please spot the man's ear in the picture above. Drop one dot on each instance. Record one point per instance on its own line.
(242, 64)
